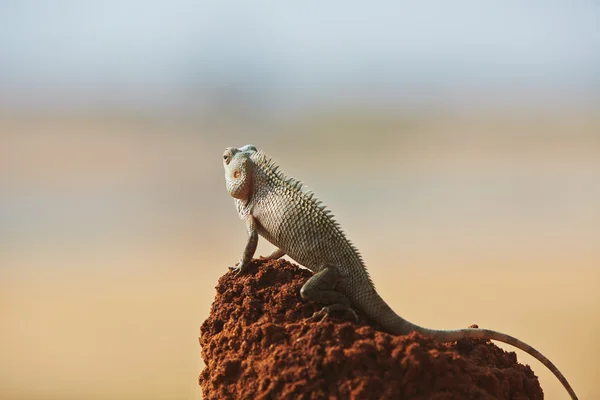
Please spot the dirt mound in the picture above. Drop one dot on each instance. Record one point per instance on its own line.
(258, 344)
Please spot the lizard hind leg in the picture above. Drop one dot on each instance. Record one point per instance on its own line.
(321, 289)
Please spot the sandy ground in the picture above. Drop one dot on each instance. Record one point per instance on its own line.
(113, 233)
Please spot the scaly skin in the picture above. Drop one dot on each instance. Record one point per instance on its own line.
(281, 210)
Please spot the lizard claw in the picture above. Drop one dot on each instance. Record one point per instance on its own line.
(319, 316)
(239, 268)
(324, 312)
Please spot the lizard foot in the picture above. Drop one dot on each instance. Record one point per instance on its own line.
(324, 312)
(239, 268)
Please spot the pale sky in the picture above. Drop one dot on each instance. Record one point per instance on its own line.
(130, 49)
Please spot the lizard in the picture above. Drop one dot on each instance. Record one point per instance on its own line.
(282, 210)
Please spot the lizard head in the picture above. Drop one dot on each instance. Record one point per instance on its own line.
(238, 171)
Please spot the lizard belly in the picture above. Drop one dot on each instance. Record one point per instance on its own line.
(305, 234)
(308, 247)
(299, 244)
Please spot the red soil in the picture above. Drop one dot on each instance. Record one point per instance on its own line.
(258, 344)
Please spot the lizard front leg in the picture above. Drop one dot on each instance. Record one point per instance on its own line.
(250, 245)
(320, 288)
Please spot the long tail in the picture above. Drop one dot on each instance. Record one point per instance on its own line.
(393, 323)
(487, 334)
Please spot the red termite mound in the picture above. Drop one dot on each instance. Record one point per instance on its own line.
(258, 344)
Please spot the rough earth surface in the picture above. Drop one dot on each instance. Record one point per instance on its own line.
(258, 343)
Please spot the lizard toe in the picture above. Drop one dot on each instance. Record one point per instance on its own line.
(239, 268)
(324, 312)
(319, 316)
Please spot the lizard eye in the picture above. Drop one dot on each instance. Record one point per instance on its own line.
(227, 157)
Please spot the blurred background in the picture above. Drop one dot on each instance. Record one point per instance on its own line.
(457, 143)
